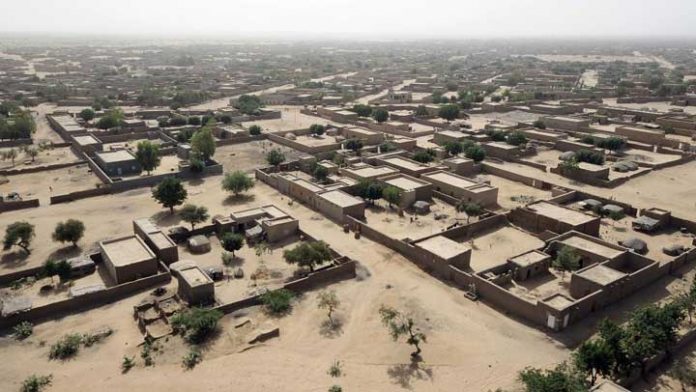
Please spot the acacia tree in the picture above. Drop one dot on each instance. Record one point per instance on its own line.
(454, 148)
(87, 114)
(593, 358)
(449, 112)
(20, 234)
(354, 145)
(232, 242)
(317, 129)
(147, 155)
(170, 192)
(470, 209)
(31, 152)
(392, 195)
(308, 254)
(203, 142)
(329, 302)
(566, 260)
(321, 173)
(561, 378)
(475, 152)
(399, 325)
(193, 214)
(380, 115)
(237, 182)
(69, 231)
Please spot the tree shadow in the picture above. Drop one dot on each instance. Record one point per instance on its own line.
(404, 374)
(15, 258)
(331, 330)
(65, 253)
(166, 218)
(238, 199)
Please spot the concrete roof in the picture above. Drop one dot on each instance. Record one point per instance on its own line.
(405, 182)
(451, 179)
(340, 198)
(126, 250)
(558, 301)
(116, 156)
(593, 247)
(601, 274)
(529, 258)
(443, 247)
(562, 214)
(194, 276)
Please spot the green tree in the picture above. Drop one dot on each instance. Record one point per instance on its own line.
(392, 195)
(539, 124)
(400, 325)
(232, 242)
(203, 142)
(69, 231)
(193, 214)
(516, 138)
(87, 114)
(373, 191)
(362, 110)
(354, 145)
(422, 111)
(114, 118)
(31, 152)
(19, 234)
(566, 260)
(254, 130)
(454, 148)
(475, 152)
(248, 104)
(275, 157)
(237, 182)
(147, 155)
(328, 300)
(36, 383)
(321, 173)
(470, 209)
(380, 115)
(423, 157)
(308, 254)
(449, 111)
(562, 378)
(317, 129)
(170, 192)
(594, 358)
(612, 143)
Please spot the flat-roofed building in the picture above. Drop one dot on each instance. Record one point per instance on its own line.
(118, 163)
(463, 188)
(591, 249)
(566, 123)
(447, 136)
(501, 150)
(529, 264)
(593, 278)
(543, 215)
(444, 252)
(194, 285)
(367, 172)
(164, 248)
(411, 189)
(128, 258)
(336, 204)
(367, 136)
(275, 224)
(642, 135)
(458, 165)
(407, 166)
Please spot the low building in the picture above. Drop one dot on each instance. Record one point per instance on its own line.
(463, 188)
(543, 215)
(407, 166)
(642, 135)
(164, 248)
(445, 252)
(128, 258)
(337, 204)
(566, 123)
(194, 285)
(118, 163)
(368, 137)
(458, 165)
(362, 172)
(501, 150)
(410, 188)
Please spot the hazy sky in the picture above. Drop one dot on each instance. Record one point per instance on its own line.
(358, 18)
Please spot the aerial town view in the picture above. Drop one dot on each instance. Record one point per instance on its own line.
(348, 196)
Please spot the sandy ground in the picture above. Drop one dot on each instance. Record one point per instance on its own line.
(496, 246)
(44, 184)
(672, 188)
(291, 119)
(413, 226)
(470, 346)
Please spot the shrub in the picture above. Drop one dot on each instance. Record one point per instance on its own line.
(192, 359)
(336, 369)
(23, 330)
(196, 324)
(423, 157)
(254, 130)
(335, 388)
(66, 347)
(35, 383)
(127, 364)
(589, 156)
(277, 301)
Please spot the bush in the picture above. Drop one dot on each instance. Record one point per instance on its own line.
(254, 130)
(192, 359)
(35, 383)
(539, 124)
(197, 165)
(66, 347)
(422, 157)
(516, 138)
(335, 388)
(196, 324)
(23, 330)
(336, 369)
(589, 156)
(277, 301)
(127, 364)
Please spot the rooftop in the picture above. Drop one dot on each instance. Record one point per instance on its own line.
(194, 276)
(340, 198)
(451, 179)
(582, 243)
(529, 258)
(562, 214)
(601, 274)
(443, 247)
(126, 250)
(115, 156)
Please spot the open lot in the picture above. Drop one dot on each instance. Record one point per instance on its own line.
(51, 156)
(44, 184)
(411, 225)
